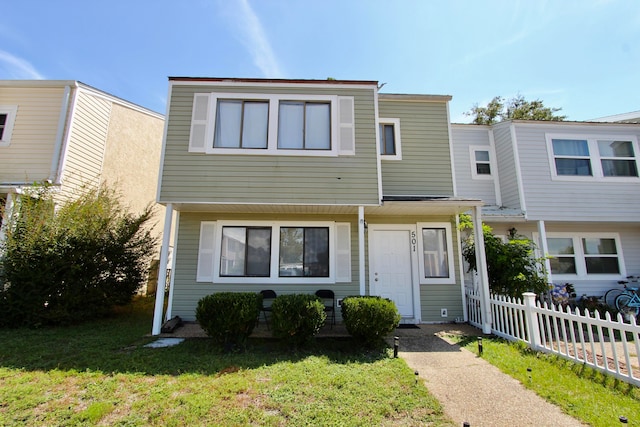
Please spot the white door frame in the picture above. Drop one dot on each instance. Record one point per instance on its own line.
(415, 274)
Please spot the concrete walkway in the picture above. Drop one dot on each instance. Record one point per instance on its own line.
(469, 388)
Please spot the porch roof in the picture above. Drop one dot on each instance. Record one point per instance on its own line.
(389, 206)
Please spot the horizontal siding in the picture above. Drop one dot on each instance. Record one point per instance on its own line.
(571, 200)
(463, 138)
(187, 291)
(506, 166)
(197, 177)
(28, 157)
(85, 150)
(425, 168)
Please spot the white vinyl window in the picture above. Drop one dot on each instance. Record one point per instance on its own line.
(593, 158)
(588, 255)
(272, 124)
(241, 124)
(281, 252)
(7, 119)
(436, 256)
(389, 142)
(481, 162)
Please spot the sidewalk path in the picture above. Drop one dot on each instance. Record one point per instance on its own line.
(469, 388)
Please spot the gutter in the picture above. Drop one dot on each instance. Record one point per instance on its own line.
(54, 173)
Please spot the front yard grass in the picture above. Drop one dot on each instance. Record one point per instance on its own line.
(582, 392)
(100, 373)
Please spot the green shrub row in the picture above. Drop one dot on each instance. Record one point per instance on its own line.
(230, 317)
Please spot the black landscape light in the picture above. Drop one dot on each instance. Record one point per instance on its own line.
(479, 346)
(396, 345)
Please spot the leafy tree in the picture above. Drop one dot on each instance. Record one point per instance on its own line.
(72, 263)
(516, 108)
(511, 266)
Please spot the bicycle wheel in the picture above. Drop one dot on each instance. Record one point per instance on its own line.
(611, 295)
(622, 304)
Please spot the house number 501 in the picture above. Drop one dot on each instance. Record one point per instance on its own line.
(413, 240)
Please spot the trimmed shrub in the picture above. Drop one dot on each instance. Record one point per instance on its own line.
(229, 317)
(369, 318)
(296, 318)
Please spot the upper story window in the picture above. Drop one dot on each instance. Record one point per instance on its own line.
(481, 167)
(585, 255)
(389, 139)
(304, 125)
(241, 124)
(7, 118)
(576, 158)
(272, 124)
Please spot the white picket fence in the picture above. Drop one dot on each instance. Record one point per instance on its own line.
(606, 344)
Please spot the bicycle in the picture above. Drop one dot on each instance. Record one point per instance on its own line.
(627, 301)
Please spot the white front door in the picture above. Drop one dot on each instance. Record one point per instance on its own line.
(391, 267)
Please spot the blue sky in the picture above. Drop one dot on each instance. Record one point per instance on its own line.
(582, 56)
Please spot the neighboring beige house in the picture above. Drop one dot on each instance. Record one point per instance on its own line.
(70, 134)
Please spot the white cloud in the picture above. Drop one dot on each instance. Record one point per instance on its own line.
(253, 37)
(17, 68)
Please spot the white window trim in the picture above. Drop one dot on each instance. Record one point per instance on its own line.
(10, 111)
(472, 159)
(581, 268)
(452, 274)
(274, 278)
(594, 157)
(272, 133)
(396, 135)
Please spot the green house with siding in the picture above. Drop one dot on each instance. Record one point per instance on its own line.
(301, 185)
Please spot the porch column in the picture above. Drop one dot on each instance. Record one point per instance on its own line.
(481, 266)
(542, 231)
(168, 315)
(8, 212)
(361, 259)
(162, 270)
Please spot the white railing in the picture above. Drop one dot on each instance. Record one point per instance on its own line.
(606, 344)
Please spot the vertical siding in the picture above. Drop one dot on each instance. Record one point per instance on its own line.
(187, 291)
(85, 149)
(463, 137)
(506, 166)
(215, 178)
(587, 200)
(28, 157)
(425, 168)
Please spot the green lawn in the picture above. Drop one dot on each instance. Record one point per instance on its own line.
(582, 392)
(100, 374)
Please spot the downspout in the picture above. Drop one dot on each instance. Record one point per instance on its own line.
(162, 271)
(361, 258)
(54, 172)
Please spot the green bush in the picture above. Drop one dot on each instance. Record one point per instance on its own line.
(229, 317)
(369, 318)
(72, 263)
(296, 318)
